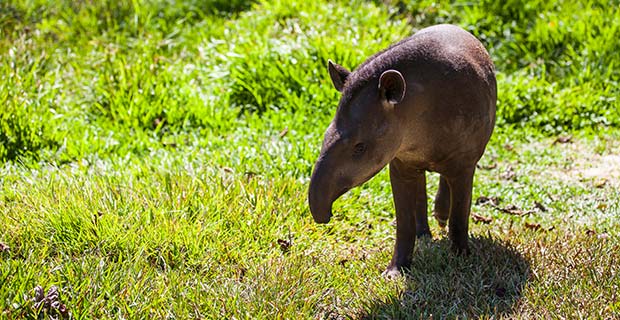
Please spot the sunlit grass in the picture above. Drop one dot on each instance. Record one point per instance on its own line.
(137, 238)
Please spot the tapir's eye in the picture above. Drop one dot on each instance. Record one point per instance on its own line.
(359, 149)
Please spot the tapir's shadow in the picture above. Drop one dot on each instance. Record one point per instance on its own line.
(486, 283)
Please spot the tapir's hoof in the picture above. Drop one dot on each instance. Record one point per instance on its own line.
(392, 273)
(423, 234)
(442, 222)
(461, 250)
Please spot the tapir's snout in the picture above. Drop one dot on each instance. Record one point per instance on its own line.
(319, 194)
(326, 186)
(321, 210)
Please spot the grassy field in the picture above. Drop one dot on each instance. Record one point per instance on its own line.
(155, 157)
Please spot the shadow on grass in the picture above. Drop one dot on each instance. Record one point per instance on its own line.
(487, 283)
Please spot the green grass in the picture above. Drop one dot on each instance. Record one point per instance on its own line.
(155, 156)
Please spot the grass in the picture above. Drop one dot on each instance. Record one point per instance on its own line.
(155, 158)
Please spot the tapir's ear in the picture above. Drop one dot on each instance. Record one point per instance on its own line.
(338, 74)
(392, 86)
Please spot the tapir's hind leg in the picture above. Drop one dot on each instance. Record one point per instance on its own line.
(460, 204)
(442, 202)
(409, 190)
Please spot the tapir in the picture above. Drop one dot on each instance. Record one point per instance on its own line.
(426, 103)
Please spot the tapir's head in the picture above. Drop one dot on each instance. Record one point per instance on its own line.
(361, 139)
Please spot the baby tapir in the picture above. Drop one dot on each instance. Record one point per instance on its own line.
(427, 103)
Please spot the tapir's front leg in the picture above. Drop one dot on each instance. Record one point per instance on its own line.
(409, 190)
(460, 198)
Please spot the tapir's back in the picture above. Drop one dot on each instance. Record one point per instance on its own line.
(451, 95)
(454, 73)
(452, 48)
(441, 55)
